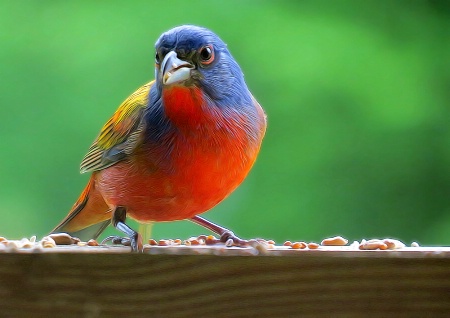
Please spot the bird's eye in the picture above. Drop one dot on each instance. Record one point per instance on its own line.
(157, 59)
(206, 54)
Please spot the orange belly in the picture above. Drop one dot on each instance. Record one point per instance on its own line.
(192, 181)
(190, 168)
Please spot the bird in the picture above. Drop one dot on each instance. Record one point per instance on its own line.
(176, 147)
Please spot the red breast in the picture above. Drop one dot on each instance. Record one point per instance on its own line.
(191, 169)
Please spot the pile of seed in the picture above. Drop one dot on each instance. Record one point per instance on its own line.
(49, 241)
(373, 244)
(54, 240)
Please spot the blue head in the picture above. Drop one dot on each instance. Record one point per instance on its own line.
(190, 55)
(189, 60)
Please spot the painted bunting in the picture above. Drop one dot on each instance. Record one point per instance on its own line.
(176, 147)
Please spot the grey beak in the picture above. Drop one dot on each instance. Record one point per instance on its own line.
(174, 70)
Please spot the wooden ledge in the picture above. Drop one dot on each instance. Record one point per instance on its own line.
(165, 282)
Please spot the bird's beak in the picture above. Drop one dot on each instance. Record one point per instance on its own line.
(174, 70)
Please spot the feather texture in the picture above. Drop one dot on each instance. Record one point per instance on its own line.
(120, 135)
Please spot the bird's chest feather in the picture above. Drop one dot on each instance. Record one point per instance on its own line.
(190, 168)
(209, 151)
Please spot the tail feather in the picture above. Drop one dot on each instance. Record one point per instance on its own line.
(91, 232)
(89, 216)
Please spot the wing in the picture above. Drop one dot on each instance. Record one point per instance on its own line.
(120, 135)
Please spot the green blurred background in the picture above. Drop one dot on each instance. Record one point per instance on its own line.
(357, 95)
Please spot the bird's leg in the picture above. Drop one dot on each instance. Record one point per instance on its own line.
(118, 221)
(226, 236)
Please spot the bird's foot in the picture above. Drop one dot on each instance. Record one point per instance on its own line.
(135, 241)
(118, 220)
(230, 239)
(226, 236)
(116, 239)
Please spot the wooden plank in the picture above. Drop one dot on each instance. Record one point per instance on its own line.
(324, 283)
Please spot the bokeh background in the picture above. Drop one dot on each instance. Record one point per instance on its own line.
(357, 95)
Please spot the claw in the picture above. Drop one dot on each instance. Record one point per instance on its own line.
(230, 239)
(115, 239)
(226, 236)
(134, 240)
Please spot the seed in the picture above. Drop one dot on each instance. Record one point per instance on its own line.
(210, 240)
(176, 242)
(163, 242)
(63, 239)
(201, 237)
(287, 243)
(271, 242)
(374, 244)
(48, 245)
(92, 242)
(194, 242)
(298, 245)
(383, 246)
(313, 246)
(259, 248)
(12, 245)
(415, 244)
(25, 243)
(393, 244)
(334, 241)
(48, 241)
(389, 244)
(2, 239)
(152, 242)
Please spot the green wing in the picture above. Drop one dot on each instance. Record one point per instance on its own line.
(120, 135)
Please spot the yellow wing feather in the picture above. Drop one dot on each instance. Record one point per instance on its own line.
(120, 133)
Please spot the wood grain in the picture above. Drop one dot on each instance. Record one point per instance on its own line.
(304, 284)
